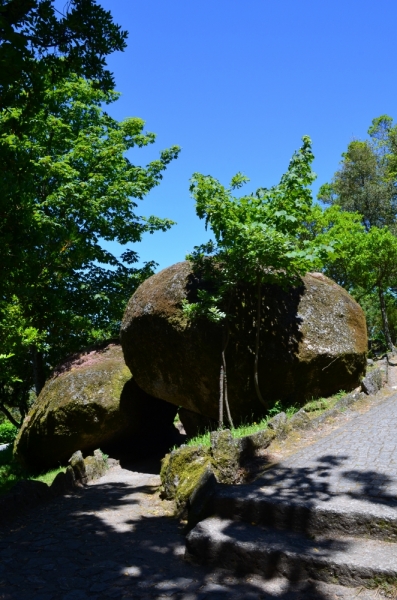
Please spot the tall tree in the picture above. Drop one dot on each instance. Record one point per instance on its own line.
(366, 180)
(40, 48)
(78, 187)
(364, 262)
(366, 184)
(65, 184)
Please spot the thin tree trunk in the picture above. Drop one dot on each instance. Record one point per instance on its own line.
(221, 380)
(258, 329)
(385, 319)
(229, 416)
(9, 416)
(38, 370)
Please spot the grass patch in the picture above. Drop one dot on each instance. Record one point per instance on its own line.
(321, 404)
(247, 428)
(11, 472)
(314, 407)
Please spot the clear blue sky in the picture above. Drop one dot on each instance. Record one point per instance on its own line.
(236, 84)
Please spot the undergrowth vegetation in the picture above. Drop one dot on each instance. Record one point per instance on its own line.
(11, 472)
(314, 407)
(8, 432)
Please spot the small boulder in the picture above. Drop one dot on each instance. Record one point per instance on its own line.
(250, 444)
(372, 382)
(300, 420)
(225, 456)
(63, 483)
(278, 422)
(77, 463)
(181, 471)
(96, 465)
(392, 359)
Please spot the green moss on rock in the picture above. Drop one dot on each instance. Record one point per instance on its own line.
(181, 470)
(313, 343)
(90, 402)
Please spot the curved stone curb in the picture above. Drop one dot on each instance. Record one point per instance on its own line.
(226, 454)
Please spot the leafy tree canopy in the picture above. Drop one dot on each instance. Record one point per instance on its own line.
(366, 186)
(77, 188)
(259, 238)
(364, 262)
(38, 42)
(366, 180)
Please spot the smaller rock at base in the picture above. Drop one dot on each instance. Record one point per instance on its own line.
(278, 422)
(250, 444)
(62, 484)
(181, 470)
(95, 466)
(78, 465)
(392, 359)
(225, 456)
(300, 420)
(200, 501)
(372, 382)
(71, 481)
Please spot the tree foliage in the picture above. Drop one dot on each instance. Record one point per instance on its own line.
(366, 251)
(66, 185)
(366, 180)
(258, 237)
(38, 43)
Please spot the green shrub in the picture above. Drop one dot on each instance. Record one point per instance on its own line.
(8, 433)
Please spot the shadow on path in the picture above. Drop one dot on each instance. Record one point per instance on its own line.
(111, 540)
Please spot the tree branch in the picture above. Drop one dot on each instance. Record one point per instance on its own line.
(9, 416)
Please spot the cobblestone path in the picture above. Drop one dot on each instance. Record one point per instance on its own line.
(116, 538)
(357, 461)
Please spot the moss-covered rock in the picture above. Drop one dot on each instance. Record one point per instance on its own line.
(225, 453)
(189, 467)
(313, 343)
(181, 471)
(90, 402)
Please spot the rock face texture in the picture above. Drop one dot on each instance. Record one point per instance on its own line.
(90, 401)
(313, 342)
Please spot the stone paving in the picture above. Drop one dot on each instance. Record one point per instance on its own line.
(358, 460)
(116, 538)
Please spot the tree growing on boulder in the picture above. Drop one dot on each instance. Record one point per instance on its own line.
(258, 240)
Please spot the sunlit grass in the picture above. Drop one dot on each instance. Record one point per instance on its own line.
(49, 476)
(11, 472)
(313, 406)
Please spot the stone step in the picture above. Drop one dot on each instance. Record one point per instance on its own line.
(269, 552)
(335, 515)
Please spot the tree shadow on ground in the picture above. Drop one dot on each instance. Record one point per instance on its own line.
(291, 498)
(325, 479)
(106, 541)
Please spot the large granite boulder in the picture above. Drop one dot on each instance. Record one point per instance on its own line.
(313, 343)
(91, 401)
